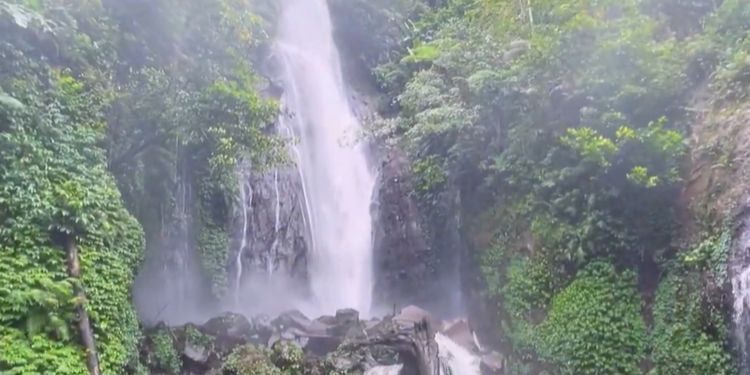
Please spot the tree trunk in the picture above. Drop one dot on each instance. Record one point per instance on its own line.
(84, 324)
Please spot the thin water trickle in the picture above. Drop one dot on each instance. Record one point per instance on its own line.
(741, 293)
(337, 181)
(246, 204)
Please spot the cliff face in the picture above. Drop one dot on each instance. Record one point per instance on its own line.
(718, 193)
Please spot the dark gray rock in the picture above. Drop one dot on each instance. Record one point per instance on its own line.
(230, 330)
(293, 318)
(342, 343)
(347, 316)
(196, 353)
(276, 235)
(403, 260)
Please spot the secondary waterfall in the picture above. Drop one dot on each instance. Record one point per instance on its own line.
(336, 178)
(246, 202)
(740, 269)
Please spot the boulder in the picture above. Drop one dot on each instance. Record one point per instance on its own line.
(196, 353)
(293, 318)
(460, 333)
(326, 345)
(347, 316)
(492, 364)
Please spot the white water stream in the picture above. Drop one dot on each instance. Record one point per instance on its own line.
(385, 370)
(337, 180)
(741, 291)
(246, 198)
(459, 360)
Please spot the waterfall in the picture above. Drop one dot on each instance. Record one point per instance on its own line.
(457, 359)
(246, 204)
(276, 223)
(740, 270)
(337, 181)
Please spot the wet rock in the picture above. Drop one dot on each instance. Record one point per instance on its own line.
(403, 260)
(292, 319)
(460, 333)
(347, 316)
(492, 364)
(345, 322)
(411, 315)
(293, 343)
(271, 222)
(230, 330)
(196, 353)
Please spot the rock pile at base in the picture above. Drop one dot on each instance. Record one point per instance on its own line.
(294, 344)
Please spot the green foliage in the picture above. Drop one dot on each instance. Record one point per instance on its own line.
(592, 146)
(250, 360)
(164, 352)
(565, 120)
(429, 175)
(594, 325)
(288, 357)
(422, 53)
(213, 245)
(38, 354)
(683, 340)
(93, 90)
(55, 184)
(711, 256)
(198, 338)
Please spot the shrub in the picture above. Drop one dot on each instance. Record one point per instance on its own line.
(594, 326)
(250, 360)
(680, 342)
(165, 354)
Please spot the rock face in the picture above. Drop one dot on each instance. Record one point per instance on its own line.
(270, 229)
(338, 344)
(404, 264)
(740, 275)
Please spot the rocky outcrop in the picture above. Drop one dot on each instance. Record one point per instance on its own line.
(330, 344)
(276, 233)
(404, 264)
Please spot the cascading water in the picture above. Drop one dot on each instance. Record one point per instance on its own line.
(740, 269)
(276, 222)
(246, 203)
(336, 178)
(385, 370)
(457, 359)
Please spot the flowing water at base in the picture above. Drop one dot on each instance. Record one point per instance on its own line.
(385, 370)
(457, 359)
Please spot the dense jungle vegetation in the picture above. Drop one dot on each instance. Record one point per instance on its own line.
(102, 104)
(563, 127)
(569, 130)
